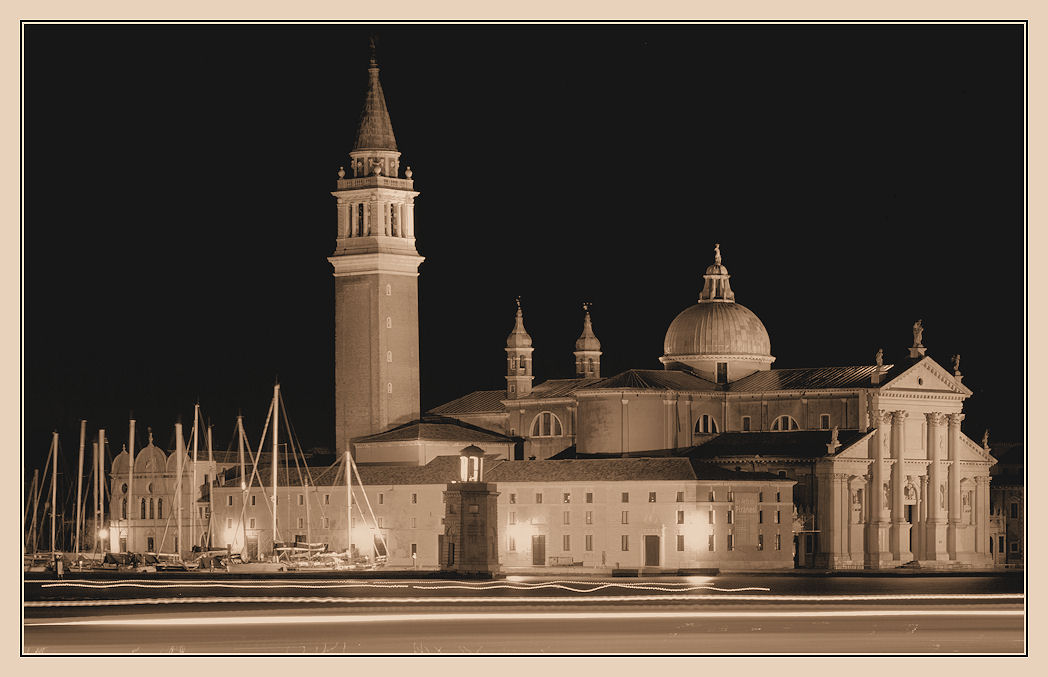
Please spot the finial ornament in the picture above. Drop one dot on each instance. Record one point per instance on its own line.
(518, 303)
(408, 172)
(716, 254)
(371, 46)
(586, 306)
(341, 172)
(918, 333)
(149, 430)
(880, 357)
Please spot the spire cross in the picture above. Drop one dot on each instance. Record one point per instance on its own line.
(518, 303)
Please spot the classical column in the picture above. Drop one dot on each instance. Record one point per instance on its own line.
(900, 529)
(936, 543)
(343, 218)
(953, 442)
(877, 524)
(982, 514)
(922, 518)
(409, 219)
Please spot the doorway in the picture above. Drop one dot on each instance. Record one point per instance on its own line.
(651, 551)
(538, 550)
(252, 546)
(909, 520)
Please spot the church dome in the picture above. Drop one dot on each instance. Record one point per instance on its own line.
(717, 329)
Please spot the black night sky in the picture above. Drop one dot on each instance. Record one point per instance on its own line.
(178, 215)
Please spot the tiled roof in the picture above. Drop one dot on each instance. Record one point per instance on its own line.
(558, 387)
(813, 378)
(476, 402)
(653, 379)
(801, 444)
(590, 470)
(437, 428)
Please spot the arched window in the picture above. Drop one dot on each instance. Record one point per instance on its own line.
(546, 424)
(706, 424)
(143, 508)
(389, 356)
(389, 290)
(389, 323)
(152, 514)
(784, 422)
(160, 508)
(123, 508)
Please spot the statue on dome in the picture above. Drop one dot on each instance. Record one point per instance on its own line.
(918, 333)
(716, 254)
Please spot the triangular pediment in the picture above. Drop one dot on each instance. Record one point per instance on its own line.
(857, 449)
(970, 451)
(926, 375)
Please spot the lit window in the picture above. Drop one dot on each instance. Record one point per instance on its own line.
(546, 424)
(651, 497)
(589, 542)
(784, 422)
(567, 498)
(625, 543)
(389, 356)
(706, 424)
(625, 516)
(680, 542)
(824, 421)
(680, 517)
(589, 517)
(760, 541)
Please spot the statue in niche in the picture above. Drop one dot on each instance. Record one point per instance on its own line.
(887, 497)
(966, 500)
(910, 492)
(918, 333)
(942, 495)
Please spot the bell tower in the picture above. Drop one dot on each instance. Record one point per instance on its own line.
(376, 281)
(518, 359)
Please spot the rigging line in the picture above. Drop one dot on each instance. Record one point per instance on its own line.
(356, 471)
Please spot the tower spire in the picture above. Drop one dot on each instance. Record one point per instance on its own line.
(587, 349)
(518, 359)
(375, 131)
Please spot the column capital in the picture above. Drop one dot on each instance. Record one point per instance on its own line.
(880, 416)
(839, 476)
(954, 419)
(934, 418)
(899, 415)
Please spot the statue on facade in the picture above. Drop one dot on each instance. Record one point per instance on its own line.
(833, 436)
(918, 334)
(957, 363)
(986, 439)
(887, 496)
(341, 172)
(879, 357)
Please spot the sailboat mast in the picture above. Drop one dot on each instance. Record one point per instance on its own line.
(276, 426)
(210, 480)
(101, 485)
(243, 481)
(349, 511)
(94, 503)
(34, 491)
(194, 492)
(130, 484)
(79, 481)
(54, 484)
(180, 449)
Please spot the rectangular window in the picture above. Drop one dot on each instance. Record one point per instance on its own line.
(538, 498)
(625, 516)
(512, 498)
(414, 498)
(513, 518)
(778, 497)
(760, 517)
(625, 497)
(589, 517)
(252, 500)
(722, 372)
(731, 517)
(567, 542)
(778, 517)
(824, 421)
(229, 523)
(414, 550)
(746, 424)
(713, 496)
(760, 496)
(625, 543)
(712, 518)
(778, 541)
(680, 497)
(301, 522)
(567, 498)
(680, 542)
(381, 499)
(380, 525)
(229, 499)
(252, 523)
(710, 543)
(414, 523)
(680, 517)
(325, 522)
(731, 495)
(1013, 547)
(760, 541)
(301, 499)
(589, 542)
(512, 544)
(731, 542)
(567, 517)
(651, 497)
(1000, 544)
(1014, 511)
(589, 496)
(327, 499)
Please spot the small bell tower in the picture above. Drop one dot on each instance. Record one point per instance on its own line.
(518, 359)
(469, 544)
(587, 349)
